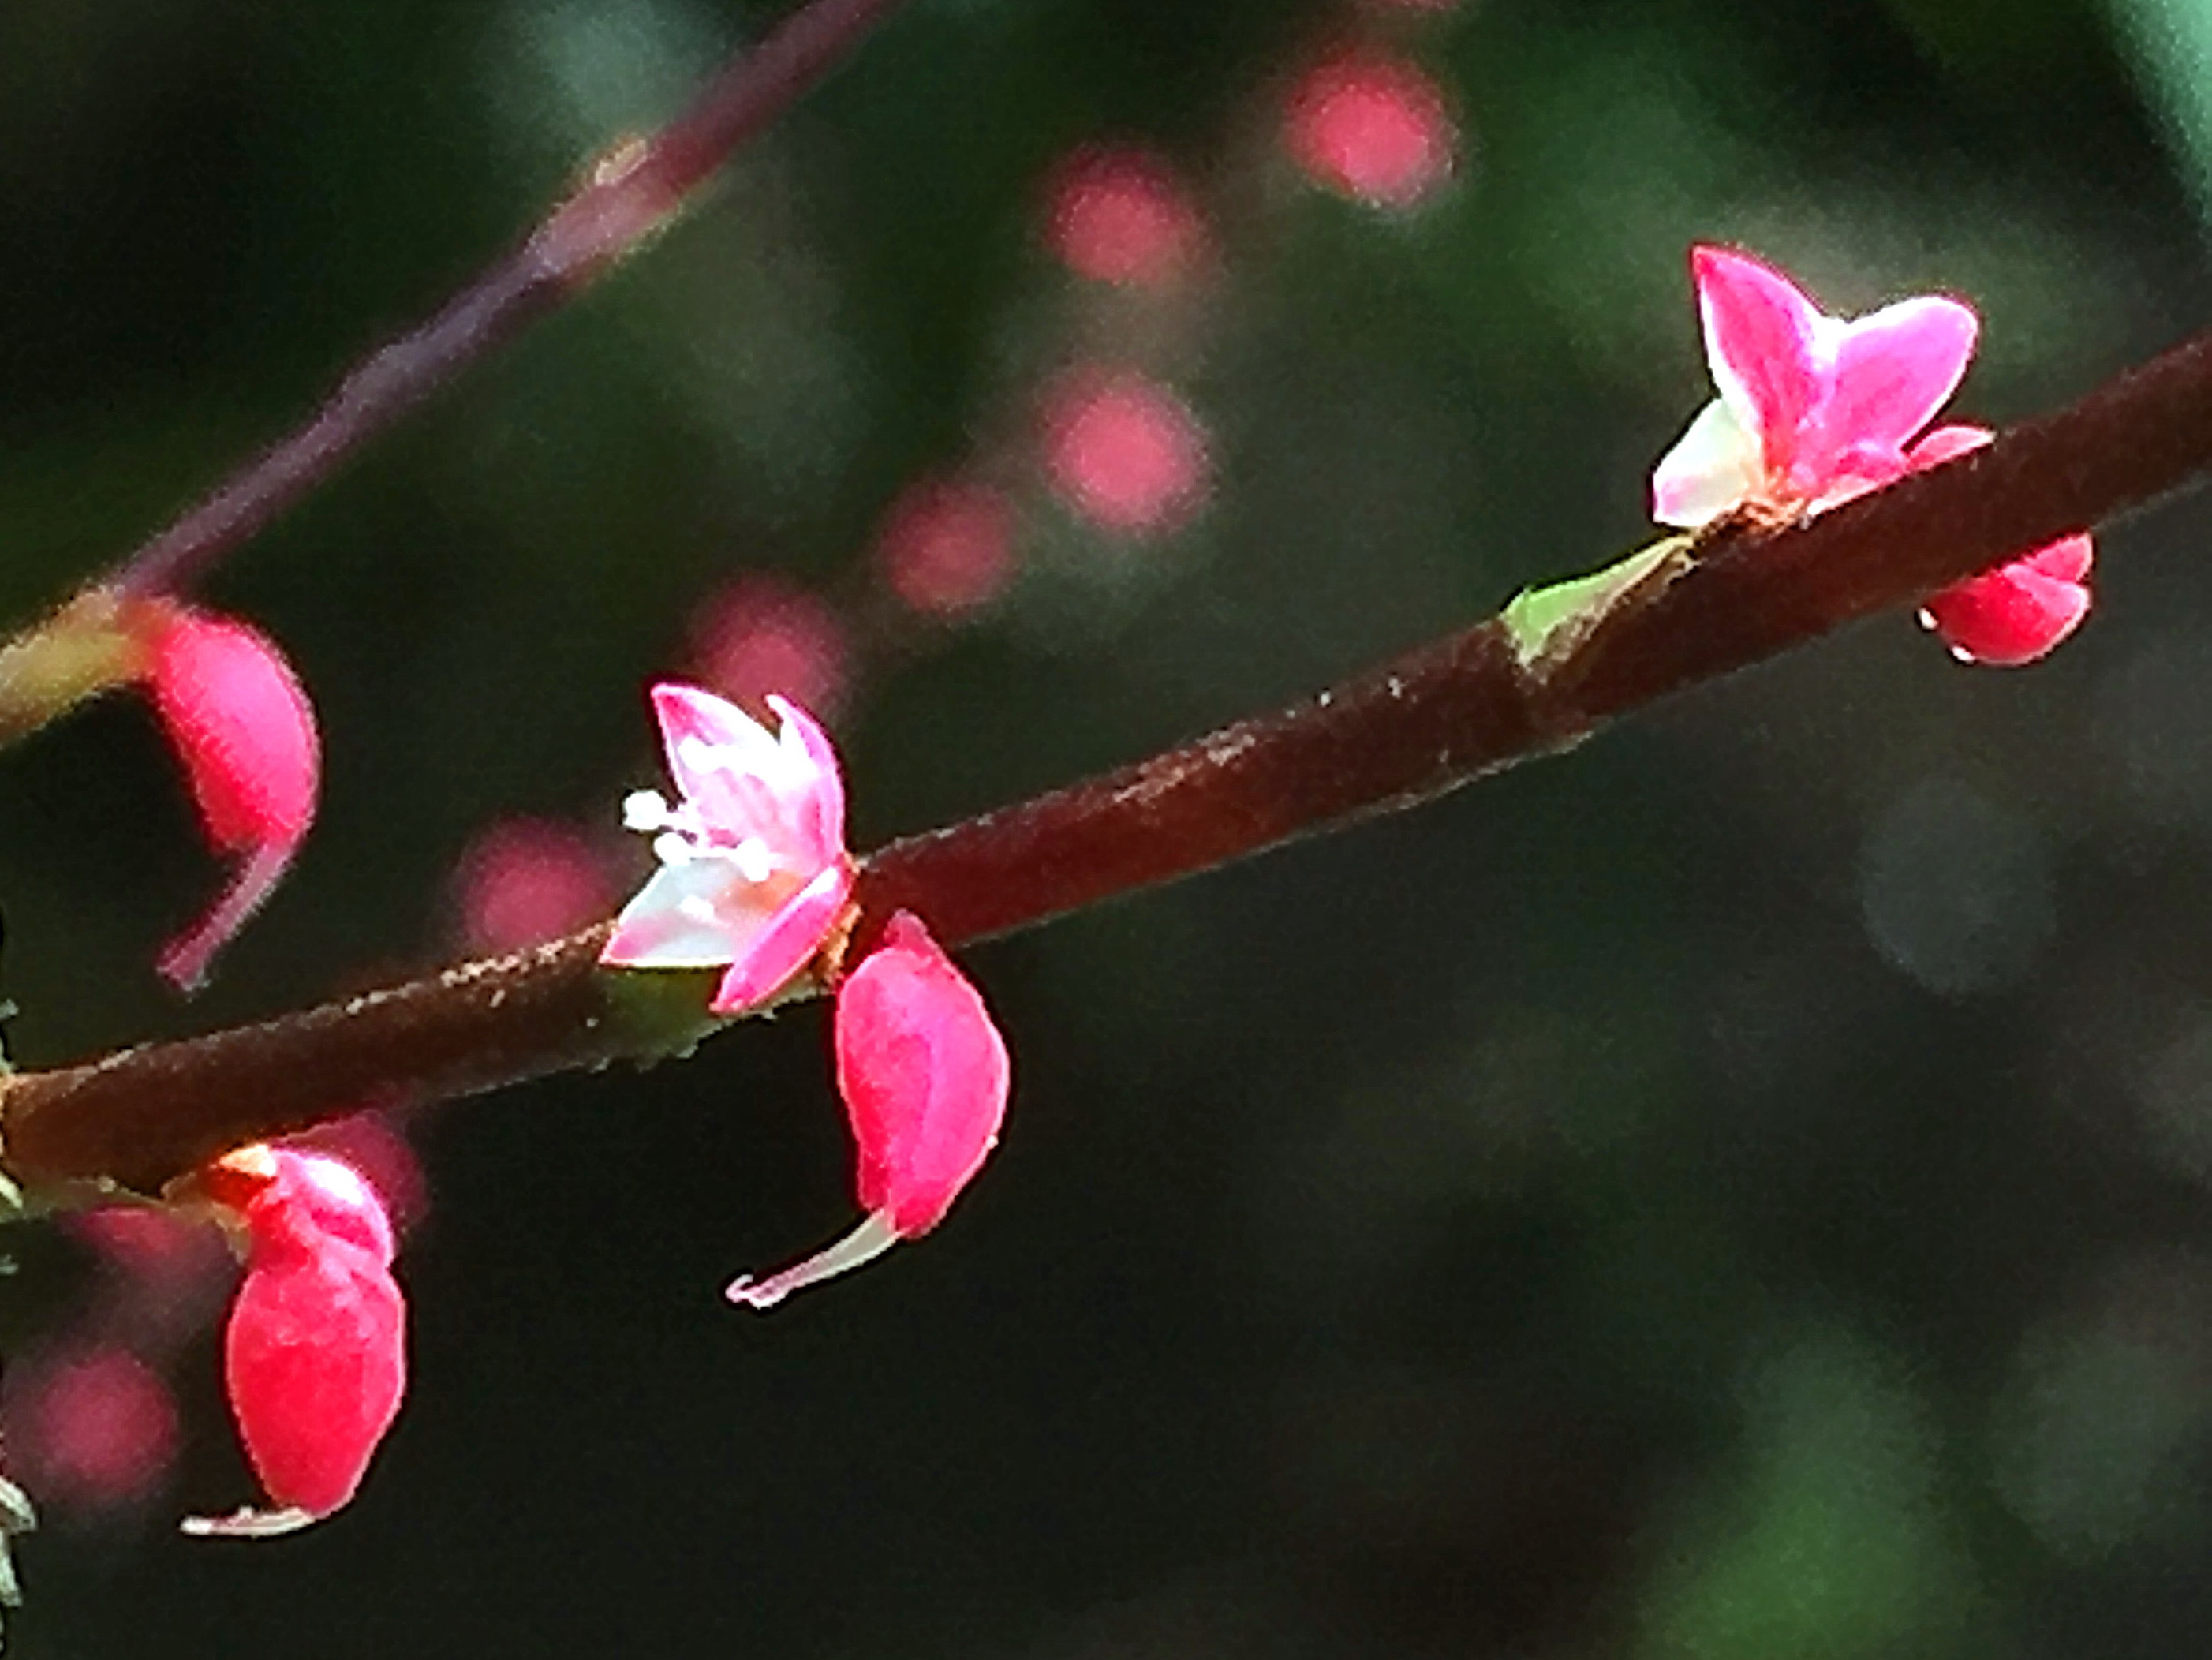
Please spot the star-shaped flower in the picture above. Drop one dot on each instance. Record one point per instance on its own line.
(1814, 409)
(754, 874)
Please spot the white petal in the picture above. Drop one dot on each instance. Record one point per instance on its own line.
(1714, 465)
(698, 916)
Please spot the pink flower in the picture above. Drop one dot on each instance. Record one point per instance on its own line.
(1120, 216)
(924, 1074)
(245, 732)
(1814, 409)
(1373, 128)
(754, 872)
(314, 1357)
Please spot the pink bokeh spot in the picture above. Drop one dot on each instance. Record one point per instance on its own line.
(1119, 214)
(524, 881)
(946, 547)
(1125, 453)
(1373, 128)
(91, 1429)
(762, 633)
(925, 1077)
(242, 725)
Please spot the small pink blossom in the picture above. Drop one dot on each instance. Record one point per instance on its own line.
(754, 874)
(245, 732)
(314, 1355)
(1371, 127)
(1125, 451)
(925, 1076)
(1119, 214)
(1814, 409)
(947, 546)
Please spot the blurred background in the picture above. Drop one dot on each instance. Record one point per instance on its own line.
(1739, 1191)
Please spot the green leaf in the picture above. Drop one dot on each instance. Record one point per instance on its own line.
(1548, 624)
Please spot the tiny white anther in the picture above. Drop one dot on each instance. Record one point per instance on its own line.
(645, 809)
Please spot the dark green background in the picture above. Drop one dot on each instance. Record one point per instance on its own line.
(1739, 1190)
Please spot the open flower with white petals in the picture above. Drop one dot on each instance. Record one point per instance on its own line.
(754, 874)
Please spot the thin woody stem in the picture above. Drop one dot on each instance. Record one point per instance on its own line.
(1426, 722)
(634, 191)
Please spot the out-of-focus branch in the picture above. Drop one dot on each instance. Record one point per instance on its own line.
(633, 192)
(1447, 713)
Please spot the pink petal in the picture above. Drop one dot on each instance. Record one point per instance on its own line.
(242, 725)
(1762, 343)
(783, 946)
(2068, 559)
(2012, 615)
(822, 815)
(315, 1364)
(1947, 444)
(924, 1073)
(1893, 369)
(689, 716)
(245, 732)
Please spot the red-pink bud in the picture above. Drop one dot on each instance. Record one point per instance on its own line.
(925, 1075)
(2018, 612)
(314, 1357)
(245, 732)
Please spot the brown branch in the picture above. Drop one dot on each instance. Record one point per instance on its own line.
(1425, 723)
(634, 192)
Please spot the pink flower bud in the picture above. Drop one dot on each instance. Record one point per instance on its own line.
(245, 732)
(925, 1075)
(2020, 610)
(314, 1357)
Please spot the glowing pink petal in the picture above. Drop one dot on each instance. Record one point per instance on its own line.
(1762, 342)
(764, 634)
(1125, 453)
(1894, 368)
(786, 944)
(375, 1147)
(925, 1077)
(245, 733)
(524, 881)
(1373, 128)
(1120, 215)
(924, 1073)
(314, 1354)
(946, 547)
(1947, 444)
(821, 821)
(2018, 612)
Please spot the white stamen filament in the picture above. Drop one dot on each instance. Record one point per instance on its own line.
(865, 1244)
(247, 1524)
